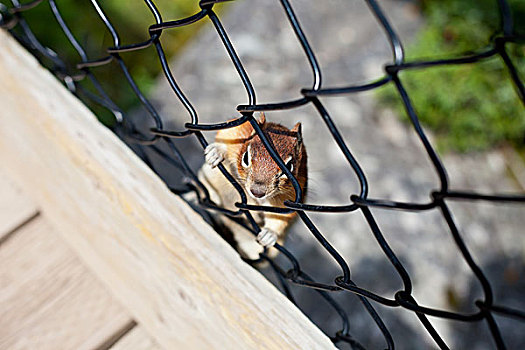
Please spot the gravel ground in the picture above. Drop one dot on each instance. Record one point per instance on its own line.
(351, 48)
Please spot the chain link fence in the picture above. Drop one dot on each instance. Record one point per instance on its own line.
(78, 76)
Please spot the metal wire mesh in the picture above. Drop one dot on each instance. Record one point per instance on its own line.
(12, 18)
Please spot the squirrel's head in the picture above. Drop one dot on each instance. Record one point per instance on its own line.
(262, 176)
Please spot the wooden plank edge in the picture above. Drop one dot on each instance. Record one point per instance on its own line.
(178, 279)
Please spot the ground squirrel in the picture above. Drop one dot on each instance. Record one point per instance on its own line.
(245, 157)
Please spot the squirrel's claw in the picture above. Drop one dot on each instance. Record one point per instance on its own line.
(214, 154)
(267, 238)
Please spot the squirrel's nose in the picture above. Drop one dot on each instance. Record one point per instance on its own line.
(258, 190)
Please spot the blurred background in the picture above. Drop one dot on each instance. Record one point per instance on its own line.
(472, 113)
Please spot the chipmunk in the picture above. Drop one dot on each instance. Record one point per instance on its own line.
(245, 157)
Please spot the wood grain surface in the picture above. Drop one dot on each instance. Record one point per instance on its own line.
(171, 271)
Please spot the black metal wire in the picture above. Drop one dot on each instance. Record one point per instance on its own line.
(11, 18)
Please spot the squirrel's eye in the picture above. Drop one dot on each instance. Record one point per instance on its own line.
(246, 159)
(289, 164)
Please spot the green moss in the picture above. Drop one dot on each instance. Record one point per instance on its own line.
(470, 107)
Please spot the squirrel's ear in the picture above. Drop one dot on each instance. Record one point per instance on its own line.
(298, 129)
(233, 135)
(246, 130)
(262, 118)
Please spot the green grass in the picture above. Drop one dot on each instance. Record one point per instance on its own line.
(470, 107)
(131, 20)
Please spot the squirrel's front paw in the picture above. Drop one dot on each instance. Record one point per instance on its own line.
(214, 154)
(267, 238)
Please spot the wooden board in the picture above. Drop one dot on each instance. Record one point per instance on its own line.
(16, 208)
(48, 300)
(136, 339)
(180, 281)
